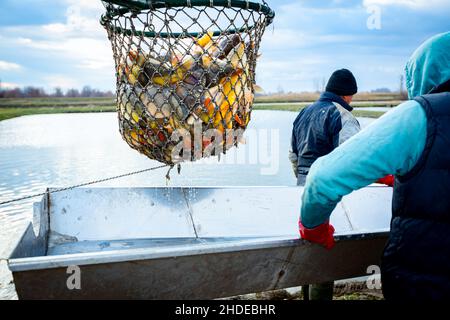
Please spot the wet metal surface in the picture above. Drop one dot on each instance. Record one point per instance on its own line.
(204, 233)
(98, 214)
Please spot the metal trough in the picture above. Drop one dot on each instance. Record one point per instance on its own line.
(189, 243)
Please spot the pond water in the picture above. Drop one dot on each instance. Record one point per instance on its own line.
(59, 150)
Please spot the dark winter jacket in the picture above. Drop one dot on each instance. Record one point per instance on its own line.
(416, 262)
(413, 142)
(319, 129)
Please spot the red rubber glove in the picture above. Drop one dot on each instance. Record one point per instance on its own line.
(322, 234)
(388, 180)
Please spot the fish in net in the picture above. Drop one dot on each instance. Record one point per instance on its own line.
(185, 73)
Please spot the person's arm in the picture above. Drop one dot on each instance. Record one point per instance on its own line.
(350, 127)
(343, 125)
(293, 155)
(391, 145)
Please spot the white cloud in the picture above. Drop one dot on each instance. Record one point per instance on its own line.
(286, 38)
(86, 4)
(9, 85)
(81, 20)
(61, 81)
(294, 73)
(85, 19)
(79, 42)
(21, 40)
(414, 4)
(55, 28)
(9, 66)
(82, 52)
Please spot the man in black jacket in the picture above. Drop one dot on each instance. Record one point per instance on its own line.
(318, 130)
(324, 125)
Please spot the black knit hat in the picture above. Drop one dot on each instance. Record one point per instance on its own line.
(343, 83)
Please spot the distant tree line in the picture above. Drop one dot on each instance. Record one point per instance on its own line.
(35, 92)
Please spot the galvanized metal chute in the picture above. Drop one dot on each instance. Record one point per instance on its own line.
(190, 243)
(187, 243)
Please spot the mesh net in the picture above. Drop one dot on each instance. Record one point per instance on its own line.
(185, 73)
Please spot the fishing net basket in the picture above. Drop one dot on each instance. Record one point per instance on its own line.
(185, 73)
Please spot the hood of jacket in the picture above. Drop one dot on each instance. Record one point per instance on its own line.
(429, 66)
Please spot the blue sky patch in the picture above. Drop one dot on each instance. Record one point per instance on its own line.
(61, 44)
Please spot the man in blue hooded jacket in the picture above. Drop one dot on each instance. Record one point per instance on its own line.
(413, 142)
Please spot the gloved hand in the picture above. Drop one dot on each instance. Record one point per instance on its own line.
(295, 169)
(322, 234)
(388, 180)
(294, 160)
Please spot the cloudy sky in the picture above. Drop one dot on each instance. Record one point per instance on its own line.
(50, 43)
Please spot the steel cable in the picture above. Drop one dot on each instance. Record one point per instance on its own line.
(82, 184)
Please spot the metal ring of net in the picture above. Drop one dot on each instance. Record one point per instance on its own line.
(185, 73)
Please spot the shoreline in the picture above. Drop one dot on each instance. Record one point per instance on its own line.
(10, 110)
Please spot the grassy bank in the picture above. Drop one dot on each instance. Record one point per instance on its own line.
(299, 106)
(11, 108)
(8, 113)
(55, 102)
(310, 97)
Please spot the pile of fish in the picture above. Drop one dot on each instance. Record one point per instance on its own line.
(205, 81)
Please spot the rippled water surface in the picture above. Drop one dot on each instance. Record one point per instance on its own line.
(58, 150)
